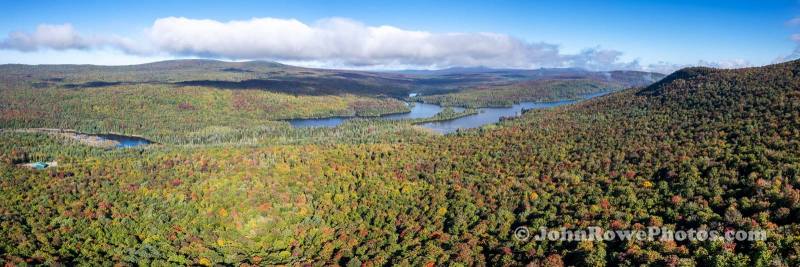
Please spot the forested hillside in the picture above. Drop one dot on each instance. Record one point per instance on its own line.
(505, 87)
(261, 75)
(178, 115)
(703, 148)
(212, 102)
(280, 78)
(530, 91)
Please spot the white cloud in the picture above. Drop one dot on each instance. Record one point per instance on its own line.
(793, 22)
(795, 38)
(57, 37)
(726, 64)
(330, 42)
(65, 37)
(598, 58)
(335, 41)
(666, 67)
(347, 42)
(793, 56)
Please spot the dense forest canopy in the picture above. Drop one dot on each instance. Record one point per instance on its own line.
(702, 148)
(208, 101)
(530, 91)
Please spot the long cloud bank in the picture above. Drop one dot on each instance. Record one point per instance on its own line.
(335, 41)
(64, 37)
(793, 23)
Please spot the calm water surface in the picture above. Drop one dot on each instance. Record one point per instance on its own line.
(422, 110)
(124, 140)
(493, 115)
(418, 111)
(488, 116)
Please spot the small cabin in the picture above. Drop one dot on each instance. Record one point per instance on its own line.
(39, 165)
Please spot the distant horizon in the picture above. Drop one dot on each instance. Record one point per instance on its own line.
(322, 68)
(378, 36)
(365, 70)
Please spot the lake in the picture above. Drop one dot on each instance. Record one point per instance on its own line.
(492, 115)
(418, 111)
(488, 116)
(422, 110)
(124, 140)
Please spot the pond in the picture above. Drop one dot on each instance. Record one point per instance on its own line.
(488, 116)
(418, 111)
(422, 110)
(124, 140)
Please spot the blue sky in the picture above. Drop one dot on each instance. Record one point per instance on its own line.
(592, 34)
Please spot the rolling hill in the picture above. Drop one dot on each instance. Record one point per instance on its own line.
(701, 149)
(282, 78)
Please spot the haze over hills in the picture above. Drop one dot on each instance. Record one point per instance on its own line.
(542, 73)
(298, 80)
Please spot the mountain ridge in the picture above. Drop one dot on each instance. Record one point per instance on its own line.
(711, 150)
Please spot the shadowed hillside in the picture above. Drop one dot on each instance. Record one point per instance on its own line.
(709, 149)
(289, 79)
